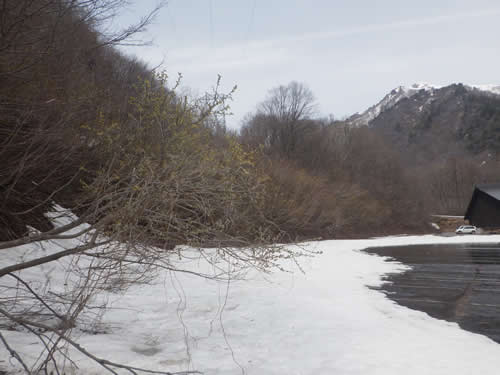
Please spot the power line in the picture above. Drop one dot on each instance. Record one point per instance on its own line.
(210, 6)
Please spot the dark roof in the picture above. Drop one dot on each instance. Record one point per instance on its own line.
(492, 190)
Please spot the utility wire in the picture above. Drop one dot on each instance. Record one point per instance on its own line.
(210, 12)
(249, 28)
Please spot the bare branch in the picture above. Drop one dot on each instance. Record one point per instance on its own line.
(50, 258)
(108, 365)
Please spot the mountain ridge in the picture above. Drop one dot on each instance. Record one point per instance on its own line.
(427, 123)
(402, 92)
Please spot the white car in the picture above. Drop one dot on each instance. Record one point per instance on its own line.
(464, 229)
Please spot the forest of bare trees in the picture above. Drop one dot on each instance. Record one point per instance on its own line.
(361, 186)
(369, 185)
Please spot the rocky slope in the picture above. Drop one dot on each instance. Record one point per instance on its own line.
(428, 122)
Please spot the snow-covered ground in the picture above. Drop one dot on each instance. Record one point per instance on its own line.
(323, 321)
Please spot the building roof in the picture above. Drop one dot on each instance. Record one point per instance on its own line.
(492, 190)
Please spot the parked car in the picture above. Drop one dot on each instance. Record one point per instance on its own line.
(466, 229)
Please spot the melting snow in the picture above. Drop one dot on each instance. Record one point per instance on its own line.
(325, 321)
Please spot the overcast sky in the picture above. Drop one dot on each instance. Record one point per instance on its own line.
(349, 52)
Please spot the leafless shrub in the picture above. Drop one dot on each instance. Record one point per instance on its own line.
(154, 182)
(132, 158)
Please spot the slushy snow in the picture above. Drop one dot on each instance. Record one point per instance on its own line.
(323, 321)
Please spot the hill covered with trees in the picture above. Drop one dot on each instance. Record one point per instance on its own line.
(446, 136)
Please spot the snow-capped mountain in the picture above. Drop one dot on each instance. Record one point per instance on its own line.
(426, 122)
(402, 92)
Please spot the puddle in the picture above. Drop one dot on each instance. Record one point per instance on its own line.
(458, 283)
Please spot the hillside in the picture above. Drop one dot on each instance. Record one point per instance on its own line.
(429, 123)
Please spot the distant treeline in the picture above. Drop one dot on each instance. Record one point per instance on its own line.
(354, 182)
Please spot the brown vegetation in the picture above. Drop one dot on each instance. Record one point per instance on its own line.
(145, 169)
(450, 183)
(346, 181)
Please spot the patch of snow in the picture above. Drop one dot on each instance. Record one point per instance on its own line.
(420, 86)
(494, 89)
(323, 321)
(449, 216)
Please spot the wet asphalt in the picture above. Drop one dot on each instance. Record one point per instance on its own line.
(458, 283)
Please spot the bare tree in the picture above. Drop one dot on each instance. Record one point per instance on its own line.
(290, 103)
(282, 116)
(131, 160)
(149, 192)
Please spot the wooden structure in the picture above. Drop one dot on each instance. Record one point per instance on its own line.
(484, 207)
